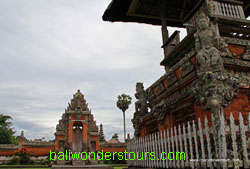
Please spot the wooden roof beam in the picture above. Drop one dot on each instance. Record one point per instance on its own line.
(183, 6)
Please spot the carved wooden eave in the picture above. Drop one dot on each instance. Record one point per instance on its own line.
(148, 11)
(179, 51)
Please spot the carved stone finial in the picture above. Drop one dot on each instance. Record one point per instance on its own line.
(102, 137)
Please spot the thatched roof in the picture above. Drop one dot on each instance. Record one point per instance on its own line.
(147, 11)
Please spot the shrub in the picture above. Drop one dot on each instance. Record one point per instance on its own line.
(21, 157)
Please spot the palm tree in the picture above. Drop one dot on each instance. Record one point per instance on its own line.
(123, 103)
(4, 121)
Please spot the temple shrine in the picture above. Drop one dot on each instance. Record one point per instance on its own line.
(205, 84)
(77, 130)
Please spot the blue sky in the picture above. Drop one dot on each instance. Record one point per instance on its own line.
(51, 48)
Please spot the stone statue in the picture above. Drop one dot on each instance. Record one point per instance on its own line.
(136, 125)
(246, 55)
(141, 104)
(207, 44)
(215, 90)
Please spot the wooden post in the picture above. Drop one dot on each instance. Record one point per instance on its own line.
(223, 141)
(169, 148)
(207, 132)
(157, 149)
(243, 142)
(166, 149)
(164, 29)
(195, 144)
(173, 149)
(162, 150)
(234, 143)
(215, 139)
(151, 149)
(187, 163)
(190, 146)
(203, 163)
(139, 151)
(177, 148)
(144, 150)
(181, 148)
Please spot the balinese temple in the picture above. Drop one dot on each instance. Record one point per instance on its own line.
(77, 130)
(206, 81)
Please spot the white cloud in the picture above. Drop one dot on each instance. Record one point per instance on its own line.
(51, 48)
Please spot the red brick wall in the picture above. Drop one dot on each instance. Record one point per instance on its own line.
(39, 151)
(7, 152)
(34, 151)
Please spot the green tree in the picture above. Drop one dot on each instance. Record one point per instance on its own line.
(123, 103)
(6, 132)
(21, 157)
(115, 136)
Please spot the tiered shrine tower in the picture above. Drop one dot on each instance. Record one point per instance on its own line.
(77, 130)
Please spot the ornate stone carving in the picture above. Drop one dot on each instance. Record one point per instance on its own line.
(186, 67)
(236, 41)
(209, 46)
(216, 89)
(237, 62)
(150, 94)
(141, 104)
(246, 55)
(141, 107)
(160, 88)
(136, 125)
(158, 110)
(171, 78)
(78, 103)
(92, 124)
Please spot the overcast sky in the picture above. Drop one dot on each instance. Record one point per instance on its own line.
(51, 48)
